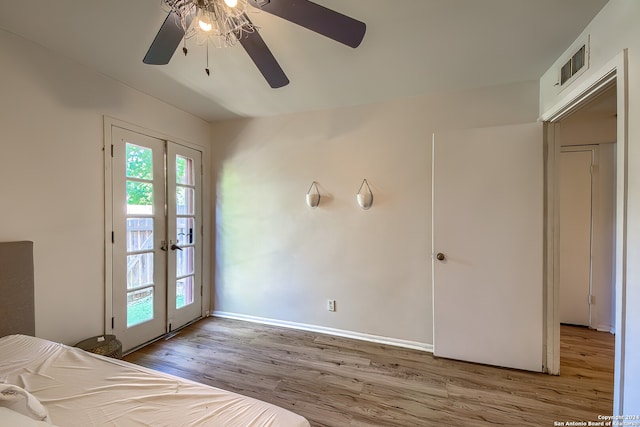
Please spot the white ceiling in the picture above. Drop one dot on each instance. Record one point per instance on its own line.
(412, 47)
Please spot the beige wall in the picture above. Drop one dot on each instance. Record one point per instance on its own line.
(52, 179)
(586, 130)
(613, 31)
(279, 260)
(376, 264)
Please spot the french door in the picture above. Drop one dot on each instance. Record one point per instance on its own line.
(156, 240)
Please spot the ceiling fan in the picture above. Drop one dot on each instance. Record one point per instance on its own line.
(238, 27)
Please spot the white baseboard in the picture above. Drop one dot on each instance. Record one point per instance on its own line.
(606, 328)
(328, 331)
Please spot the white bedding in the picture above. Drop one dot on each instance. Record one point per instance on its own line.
(83, 389)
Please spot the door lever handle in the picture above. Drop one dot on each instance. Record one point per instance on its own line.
(163, 246)
(174, 247)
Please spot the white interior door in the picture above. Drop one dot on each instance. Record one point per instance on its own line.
(156, 284)
(575, 178)
(488, 227)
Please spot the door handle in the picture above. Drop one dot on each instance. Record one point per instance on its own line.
(174, 247)
(163, 246)
(440, 256)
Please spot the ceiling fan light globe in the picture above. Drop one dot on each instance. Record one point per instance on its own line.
(205, 23)
(204, 26)
(231, 3)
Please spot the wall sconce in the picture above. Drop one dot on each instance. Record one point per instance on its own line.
(364, 196)
(313, 195)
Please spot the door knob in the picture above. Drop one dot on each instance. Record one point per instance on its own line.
(440, 256)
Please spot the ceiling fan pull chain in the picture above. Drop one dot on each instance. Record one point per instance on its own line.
(184, 46)
(207, 69)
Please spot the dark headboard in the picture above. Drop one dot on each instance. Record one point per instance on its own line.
(17, 314)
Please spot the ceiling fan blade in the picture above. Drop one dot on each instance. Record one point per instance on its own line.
(320, 19)
(167, 41)
(263, 58)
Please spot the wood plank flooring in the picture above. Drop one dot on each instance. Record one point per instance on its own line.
(335, 381)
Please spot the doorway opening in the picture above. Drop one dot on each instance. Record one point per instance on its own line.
(585, 145)
(586, 141)
(605, 94)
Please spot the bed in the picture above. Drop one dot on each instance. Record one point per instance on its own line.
(44, 382)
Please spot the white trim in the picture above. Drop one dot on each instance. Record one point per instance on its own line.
(108, 221)
(622, 148)
(574, 99)
(551, 292)
(605, 328)
(328, 331)
(433, 240)
(111, 121)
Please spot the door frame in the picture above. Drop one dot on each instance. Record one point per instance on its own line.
(108, 124)
(613, 73)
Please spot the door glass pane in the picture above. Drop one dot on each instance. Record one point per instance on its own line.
(184, 261)
(139, 162)
(184, 170)
(139, 234)
(139, 198)
(184, 231)
(184, 291)
(139, 306)
(185, 201)
(139, 270)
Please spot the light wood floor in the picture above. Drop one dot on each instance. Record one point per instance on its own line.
(336, 381)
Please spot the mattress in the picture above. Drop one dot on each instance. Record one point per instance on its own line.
(84, 389)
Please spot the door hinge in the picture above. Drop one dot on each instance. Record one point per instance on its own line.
(592, 299)
(113, 237)
(113, 322)
(201, 290)
(111, 150)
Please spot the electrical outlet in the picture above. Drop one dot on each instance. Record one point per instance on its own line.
(331, 305)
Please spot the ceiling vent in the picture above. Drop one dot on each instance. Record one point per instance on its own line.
(577, 63)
